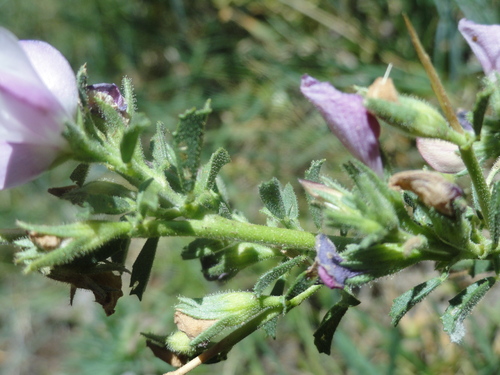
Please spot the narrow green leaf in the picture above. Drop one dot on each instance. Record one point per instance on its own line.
(128, 93)
(495, 215)
(406, 301)
(300, 284)
(312, 174)
(147, 197)
(275, 273)
(290, 202)
(324, 334)
(131, 135)
(79, 174)
(480, 107)
(141, 270)
(188, 140)
(270, 193)
(461, 306)
(160, 148)
(208, 174)
(102, 197)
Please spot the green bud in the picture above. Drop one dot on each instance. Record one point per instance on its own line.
(178, 342)
(414, 117)
(222, 311)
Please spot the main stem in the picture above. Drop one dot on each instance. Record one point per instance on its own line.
(217, 227)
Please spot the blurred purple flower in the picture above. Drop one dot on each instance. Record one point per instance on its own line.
(38, 94)
(348, 119)
(484, 41)
(329, 262)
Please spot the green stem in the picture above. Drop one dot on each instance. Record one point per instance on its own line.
(217, 227)
(478, 180)
(297, 300)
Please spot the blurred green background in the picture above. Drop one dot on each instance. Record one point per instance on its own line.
(248, 57)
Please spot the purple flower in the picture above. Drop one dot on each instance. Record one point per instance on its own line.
(485, 43)
(329, 262)
(348, 119)
(108, 92)
(38, 94)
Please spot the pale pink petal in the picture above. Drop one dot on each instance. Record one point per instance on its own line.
(441, 155)
(23, 121)
(348, 119)
(55, 72)
(21, 163)
(484, 41)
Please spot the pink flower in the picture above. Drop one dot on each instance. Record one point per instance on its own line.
(38, 95)
(348, 119)
(484, 41)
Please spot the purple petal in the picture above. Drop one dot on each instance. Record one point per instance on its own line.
(484, 41)
(329, 262)
(55, 72)
(110, 92)
(348, 119)
(21, 163)
(441, 155)
(25, 119)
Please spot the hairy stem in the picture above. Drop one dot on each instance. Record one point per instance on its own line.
(217, 227)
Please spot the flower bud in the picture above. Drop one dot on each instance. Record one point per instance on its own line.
(434, 190)
(414, 117)
(441, 155)
(108, 93)
(217, 312)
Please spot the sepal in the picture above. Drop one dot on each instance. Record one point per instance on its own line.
(414, 117)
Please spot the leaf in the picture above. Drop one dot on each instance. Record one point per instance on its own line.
(128, 94)
(461, 305)
(188, 140)
(480, 107)
(201, 247)
(270, 193)
(312, 174)
(100, 197)
(495, 215)
(301, 283)
(147, 197)
(163, 155)
(290, 202)
(141, 270)
(275, 273)
(80, 173)
(209, 172)
(375, 199)
(324, 334)
(406, 301)
(131, 135)
(280, 204)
